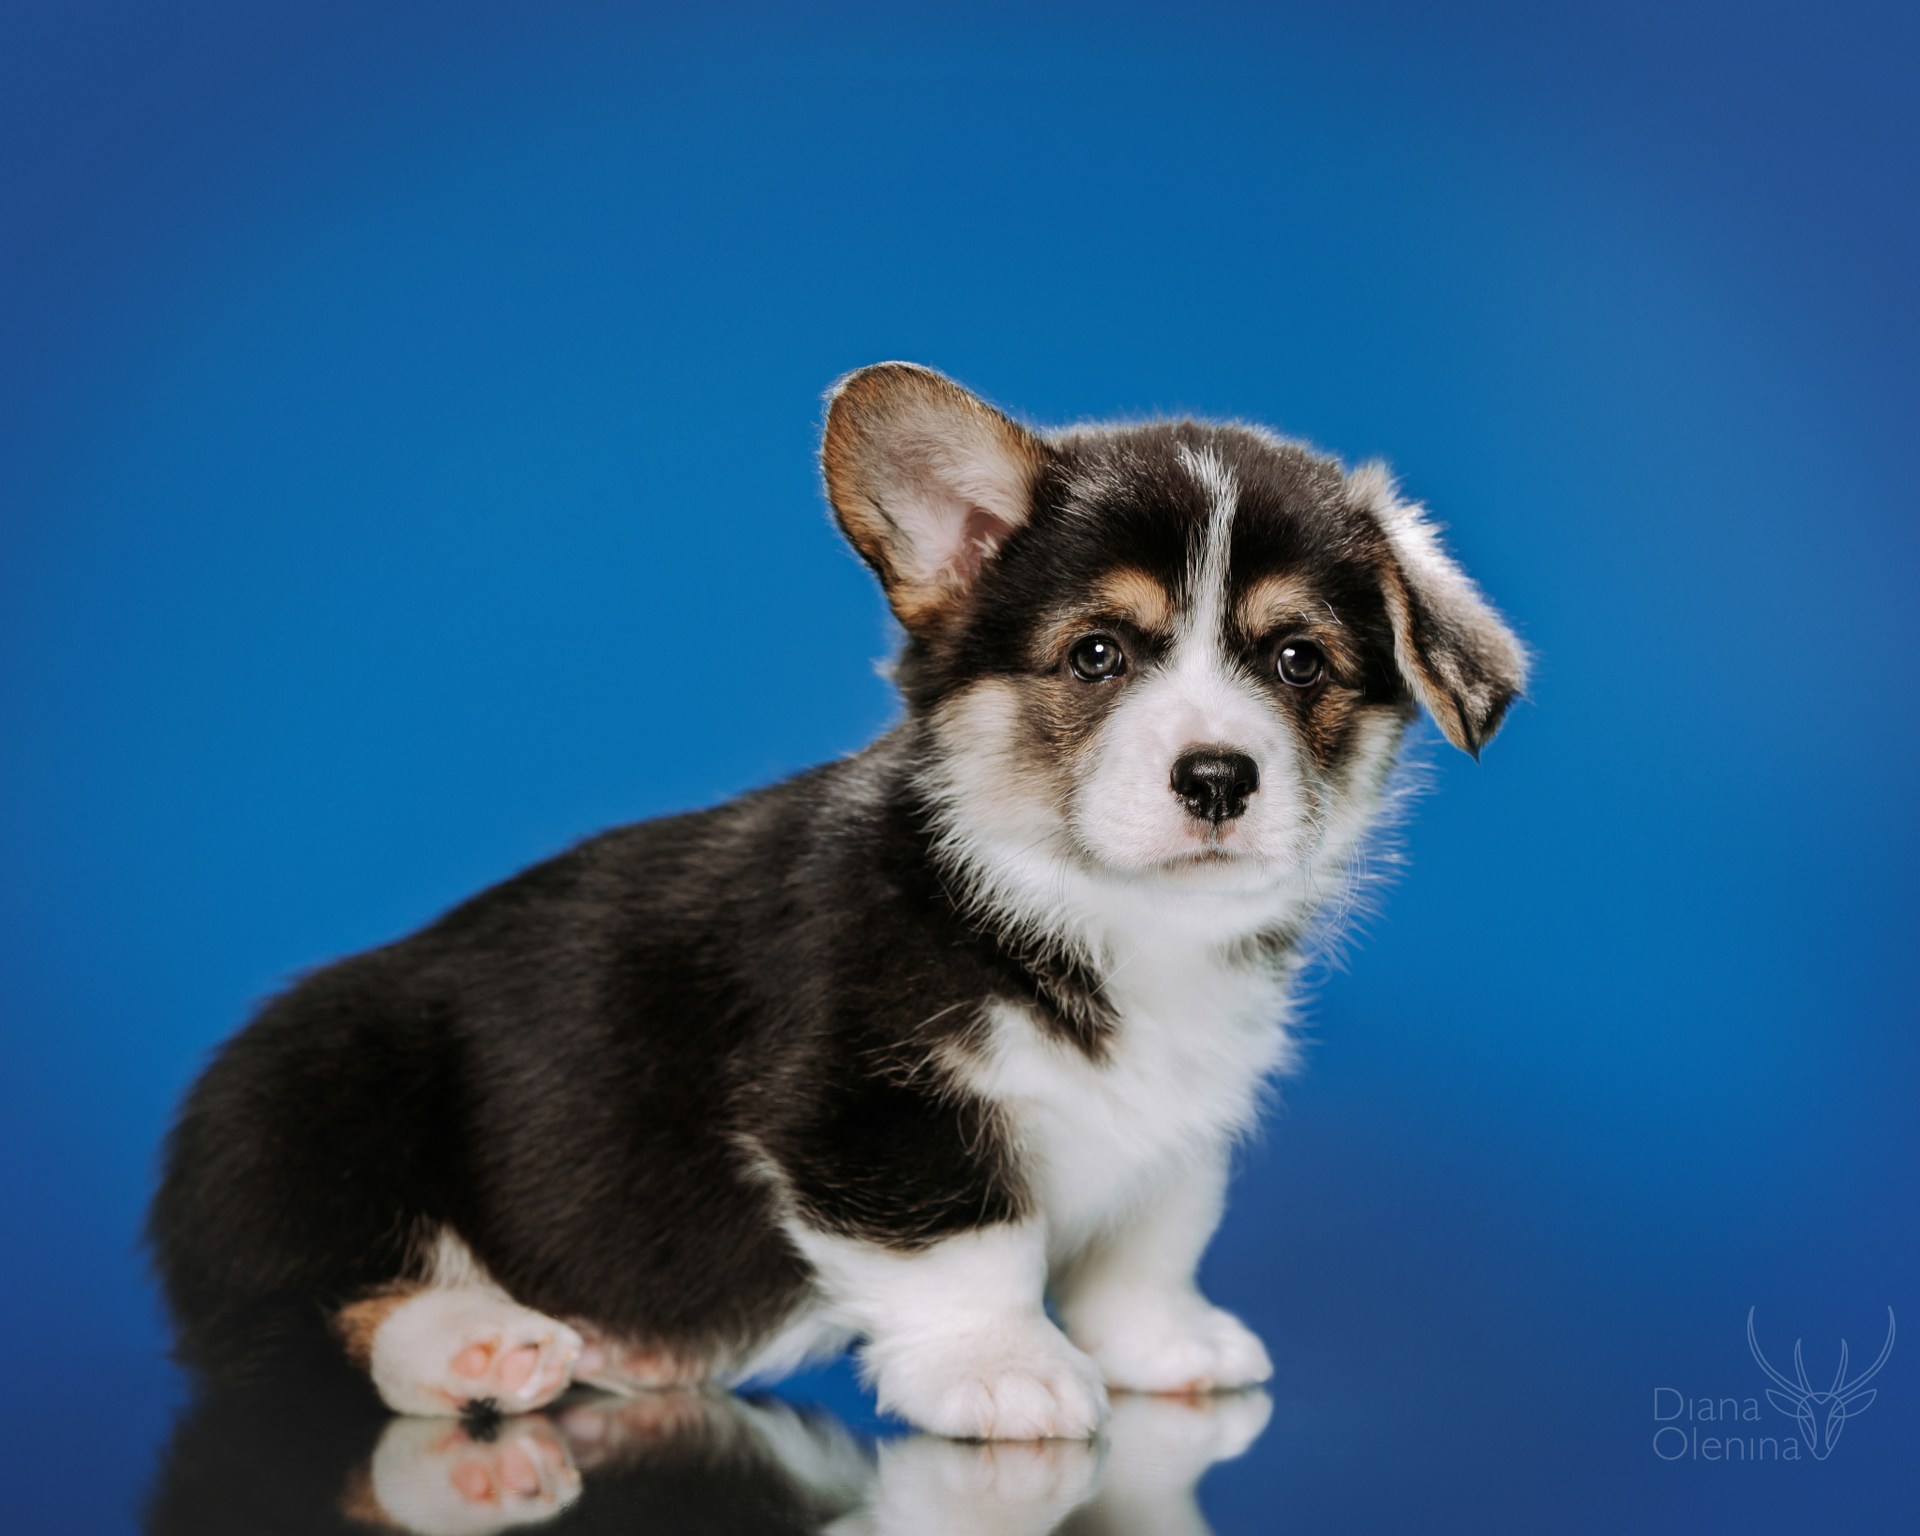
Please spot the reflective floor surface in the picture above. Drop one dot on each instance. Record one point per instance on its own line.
(681, 1462)
(1378, 1441)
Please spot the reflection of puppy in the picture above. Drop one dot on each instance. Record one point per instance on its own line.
(891, 1048)
(305, 1459)
(449, 1477)
(285, 1458)
(1138, 1481)
(676, 1460)
(1158, 1447)
(691, 1461)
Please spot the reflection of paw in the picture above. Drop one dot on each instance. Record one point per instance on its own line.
(934, 1487)
(438, 1479)
(602, 1431)
(1017, 1380)
(1158, 1449)
(1186, 1435)
(440, 1352)
(686, 1428)
(1052, 1474)
(1171, 1344)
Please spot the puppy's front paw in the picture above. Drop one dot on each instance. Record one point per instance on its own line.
(1171, 1344)
(1010, 1381)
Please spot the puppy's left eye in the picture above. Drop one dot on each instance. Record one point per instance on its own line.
(1096, 658)
(1301, 663)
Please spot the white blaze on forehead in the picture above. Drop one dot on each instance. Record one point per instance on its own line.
(1208, 576)
(1202, 696)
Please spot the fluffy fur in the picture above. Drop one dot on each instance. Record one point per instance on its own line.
(904, 1047)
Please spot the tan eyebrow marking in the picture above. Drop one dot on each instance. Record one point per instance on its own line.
(1127, 594)
(1133, 595)
(1289, 602)
(1273, 599)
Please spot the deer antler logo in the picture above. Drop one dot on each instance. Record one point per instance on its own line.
(1820, 1415)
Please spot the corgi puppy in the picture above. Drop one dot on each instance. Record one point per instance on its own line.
(903, 1048)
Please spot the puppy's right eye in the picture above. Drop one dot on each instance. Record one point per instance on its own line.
(1096, 658)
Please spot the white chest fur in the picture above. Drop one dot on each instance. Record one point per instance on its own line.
(1196, 1038)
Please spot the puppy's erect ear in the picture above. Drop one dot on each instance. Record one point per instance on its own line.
(1455, 652)
(927, 481)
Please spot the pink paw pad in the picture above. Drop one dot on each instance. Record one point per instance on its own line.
(512, 1374)
(446, 1351)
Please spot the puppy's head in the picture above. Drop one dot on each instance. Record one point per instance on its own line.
(1173, 650)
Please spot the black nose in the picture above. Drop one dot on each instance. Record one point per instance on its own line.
(1215, 785)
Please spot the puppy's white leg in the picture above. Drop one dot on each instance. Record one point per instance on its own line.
(958, 1339)
(444, 1350)
(1130, 1300)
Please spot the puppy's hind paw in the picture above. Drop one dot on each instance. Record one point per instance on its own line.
(444, 1352)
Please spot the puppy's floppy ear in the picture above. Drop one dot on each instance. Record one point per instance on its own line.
(1456, 653)
(927, 482)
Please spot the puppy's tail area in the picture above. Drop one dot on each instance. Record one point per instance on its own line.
(230, 1332)
(303, 1166)
(248, 1266)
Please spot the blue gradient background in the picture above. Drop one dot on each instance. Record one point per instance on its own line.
(406, 432)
